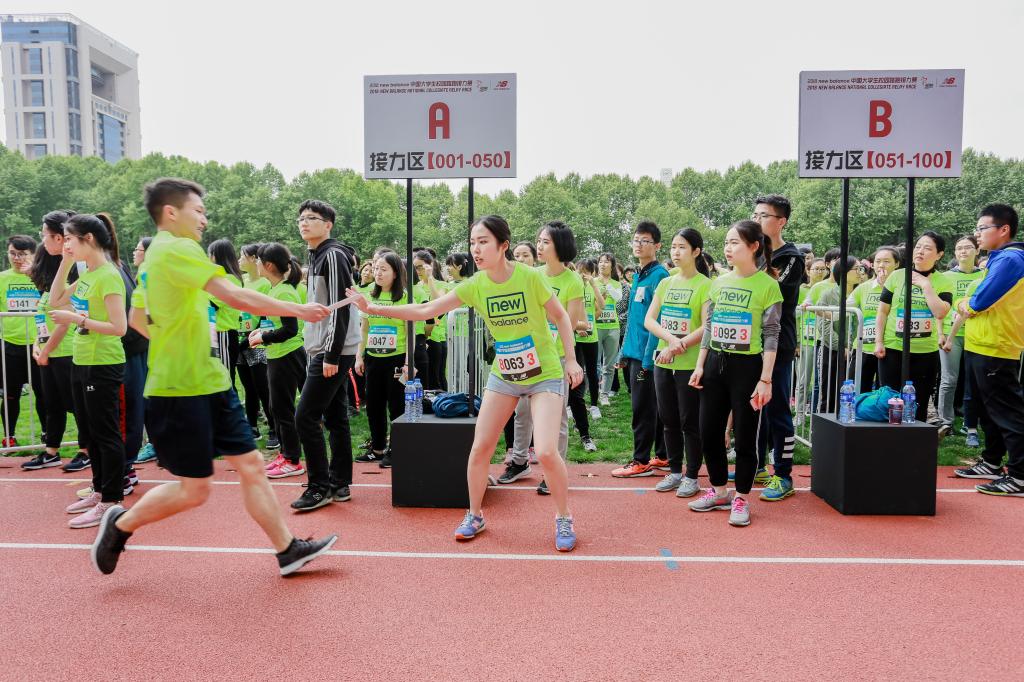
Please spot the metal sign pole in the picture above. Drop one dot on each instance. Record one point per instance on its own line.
(471, 362)
(908, 271)
(844, 251)
(410, 327)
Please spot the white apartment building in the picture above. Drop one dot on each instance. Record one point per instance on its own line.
(68, 89)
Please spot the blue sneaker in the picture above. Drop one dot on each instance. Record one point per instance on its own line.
(146, 454)
(470, 528)
(760, 476)
(565, 535)
(972, 440)
(778, 488)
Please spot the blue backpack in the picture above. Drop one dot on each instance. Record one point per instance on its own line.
(873, 406)
(447, 405)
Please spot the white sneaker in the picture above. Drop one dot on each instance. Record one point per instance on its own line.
(731, 455)
(688, 487)
(595, 412)
(604, 401)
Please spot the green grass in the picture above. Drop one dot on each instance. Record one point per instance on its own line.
(612, 433)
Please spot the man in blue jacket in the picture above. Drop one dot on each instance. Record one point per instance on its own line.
(638, 357)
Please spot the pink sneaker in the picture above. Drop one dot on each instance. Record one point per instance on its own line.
(276, 462)
(286, 469)
(84, 504)
(92, 517)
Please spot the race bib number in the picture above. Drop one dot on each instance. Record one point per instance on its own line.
(80, 306)
(607, 315)
(517, 360)
(22, 299)
(675, 320)
(42, 331)
(731, 330)
(869, 329)
(382, 338)
(266, 325)
(248, 322)
(921, 323)
(211, 313)
(809, 320)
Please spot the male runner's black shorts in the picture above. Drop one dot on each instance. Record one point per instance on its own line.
(187, 432)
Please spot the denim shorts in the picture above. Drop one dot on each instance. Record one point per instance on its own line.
(499, 385)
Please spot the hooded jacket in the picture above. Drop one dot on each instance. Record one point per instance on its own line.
(330, 273)
(996, 329)
(789, 264)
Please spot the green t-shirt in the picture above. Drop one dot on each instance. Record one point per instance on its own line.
(247, 321)
(226, 318)
(681, 313)
(440, 333)
(283, 291)
(385, 336)
(924, 337)
(739, 305)
(961, 282)
(568, 286)
(590, 312)
(514, 313)
(183, 357)
(303, 291)
(420, 294)
(866, 297)
(810, 318)
(89, 346)
(607, 317)
(18, 295)
(45, 326)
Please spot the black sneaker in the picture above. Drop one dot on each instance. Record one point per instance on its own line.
(78, 462)
(513, 472)
(542, 489)
(127, 486)
(272, 441)
(385, 460)
(109, 542)
(133, 476)
(1005, 486)
(41, 461)
(301, 552)
(370, 456)
(340, 493)
(981, 469)
(313, 498)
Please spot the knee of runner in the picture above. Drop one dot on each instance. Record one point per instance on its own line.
(547, 455)
(197, 492)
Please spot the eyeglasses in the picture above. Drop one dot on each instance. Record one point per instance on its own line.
(762, 216)
(18, 255)
(981, 228)
(642, 242)
(308, 219)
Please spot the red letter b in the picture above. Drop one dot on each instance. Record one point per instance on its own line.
(879, 112)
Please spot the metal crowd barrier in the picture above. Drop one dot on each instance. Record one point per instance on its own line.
(815, 380)
(458, 352)
(35, 430)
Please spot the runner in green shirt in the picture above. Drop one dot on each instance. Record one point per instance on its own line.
(866, 298)
(515, 303)
(608, 322)
(193, 416)
(252, 362)
(586, 340)
(18, 295)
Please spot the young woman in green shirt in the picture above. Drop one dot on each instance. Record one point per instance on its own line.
(866, 297)
(951, 345)
(587, 339)
(97, 311)
(252, 362)
(226, 319)
(18, 295)
(516, 303)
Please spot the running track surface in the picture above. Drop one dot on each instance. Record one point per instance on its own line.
(653, 592)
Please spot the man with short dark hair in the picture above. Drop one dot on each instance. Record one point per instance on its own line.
(992, 350)
(19, 295)
(772, 213)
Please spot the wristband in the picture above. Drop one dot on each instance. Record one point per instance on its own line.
(765, 381)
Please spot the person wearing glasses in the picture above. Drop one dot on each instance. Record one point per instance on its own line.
(19, 295)
(638, 357)
(992, 349)
(772, 214)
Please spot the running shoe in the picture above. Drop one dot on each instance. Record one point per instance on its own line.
(760, 476)
(127, 488)
(41, 461)
(945, 430)
(739, 515)
(370, 456)
(661, 464)
(1006, 486)
(286, 469)
(132, 476)
(778, 488)
(471, 527)
(542, 489)
(972, 440)
(272, 441)
(385, 460)
(565, 534)
(963, 430)
(77, 463)
(11, 442)
(688, 487)
(91, 517)
(84, 504)
(981, 469)
(84, 492)
(513, 472)
(340, 493)
(634, 470)
(301, 552)
(589, 445)
(146, 454)
(669, 483)
(595, 412)
(603, 401)
(312, 498)
(710, 501)
(276, 462)
(109, 542)
(531, 456)
(730, 456)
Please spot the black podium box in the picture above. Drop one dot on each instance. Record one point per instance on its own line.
(874, 468)
(428, 461)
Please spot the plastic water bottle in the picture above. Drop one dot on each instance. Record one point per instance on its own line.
(847, 396)
(417, 408)
(410, 401)
(909, 403)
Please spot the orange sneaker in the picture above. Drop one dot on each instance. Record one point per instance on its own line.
(634, 470)
(660, 464)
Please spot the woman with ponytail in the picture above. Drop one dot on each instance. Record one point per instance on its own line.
(286, 357)
(252, 362)
(95, 308)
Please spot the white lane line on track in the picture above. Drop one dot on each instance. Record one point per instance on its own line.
(871, 561)
(610, 489)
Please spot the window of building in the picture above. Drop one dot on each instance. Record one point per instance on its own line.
(34, 60)
(111, 138)
(75, 126)
(37, 151)
(73, 101)
(37, 125)
(76, 149)
(35, 94)
(71, 61)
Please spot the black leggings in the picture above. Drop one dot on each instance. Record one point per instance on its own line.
(578, 405)
(422, 360)
(18, 361)
(924, 368)
(729, 380)
(286, 377)
(98, 393)
(257, 392)
(437, 352)
(384, 394)
(679, 407)
(56, 377)
(586, 356)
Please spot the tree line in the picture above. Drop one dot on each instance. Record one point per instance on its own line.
(249, 204)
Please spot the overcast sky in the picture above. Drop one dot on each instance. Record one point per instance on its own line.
(604, 86)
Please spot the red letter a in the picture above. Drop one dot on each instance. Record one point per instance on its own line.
(437, 118)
